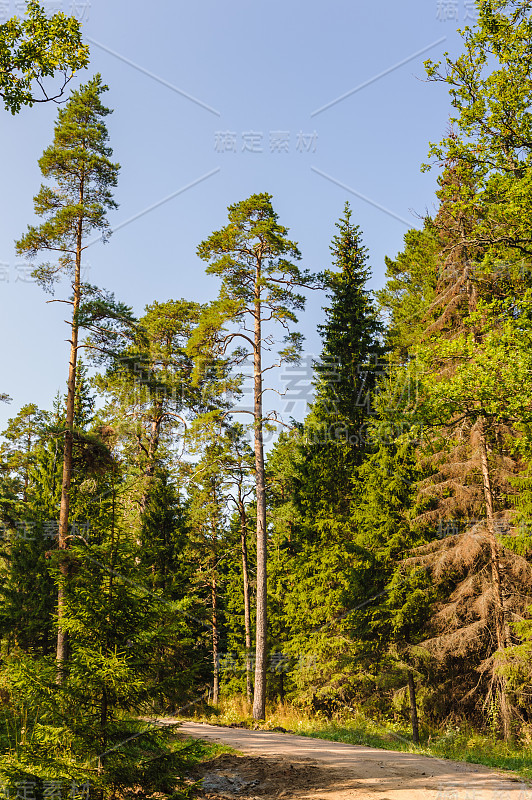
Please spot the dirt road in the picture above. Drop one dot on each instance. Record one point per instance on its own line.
(281, 765)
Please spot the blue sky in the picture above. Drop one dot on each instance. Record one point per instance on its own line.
(315, 103)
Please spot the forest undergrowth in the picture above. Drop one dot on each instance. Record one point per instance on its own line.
(153, 760)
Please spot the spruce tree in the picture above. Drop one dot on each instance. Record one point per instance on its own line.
(351, 352)
(335, 434)
(22, 434)
(315, 485)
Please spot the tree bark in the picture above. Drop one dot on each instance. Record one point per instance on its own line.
(62, 638)
(103, 727)
(413, 707)
(215, 642)
(29, 442)
(247, 605)
(153, 446)
(149, 472)
(495, 555)
(261, 635)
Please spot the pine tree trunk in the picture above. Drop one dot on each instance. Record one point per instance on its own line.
(104, 706)
(26, 466)
(62, 638)
(103, 721)
(413, 707)
(149, 471)
(500, 617)
(215, 643)
(247, 605)
(261, 640)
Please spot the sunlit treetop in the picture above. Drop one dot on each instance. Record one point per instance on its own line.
(35, 49)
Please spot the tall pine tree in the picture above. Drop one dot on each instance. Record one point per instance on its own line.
(78, 166)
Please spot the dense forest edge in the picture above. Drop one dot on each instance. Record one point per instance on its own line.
(174, 544)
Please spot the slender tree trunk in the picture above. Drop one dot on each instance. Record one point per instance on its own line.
(413, 707)
(215, 642)
(247, 606)
(103, 726)
(104, 702)
(26, 467)
(261, 635)
(494, 545)
(149, 471)
(62, 638)
(500, 617)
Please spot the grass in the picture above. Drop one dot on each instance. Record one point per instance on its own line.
(208, 750)
(156, 760)
(454, 743)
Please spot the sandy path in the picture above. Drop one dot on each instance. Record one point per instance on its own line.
(364, 773)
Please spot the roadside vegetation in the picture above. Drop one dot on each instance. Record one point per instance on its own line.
(456, 742)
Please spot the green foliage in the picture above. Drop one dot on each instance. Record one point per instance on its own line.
(490, 86)
(24, 431)
(48, 738)
(484, 370)
(36, 48)
(82, 730)
(351, 350)
(78, 163)
(409, 289)
(340, 501)
(251, 256)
